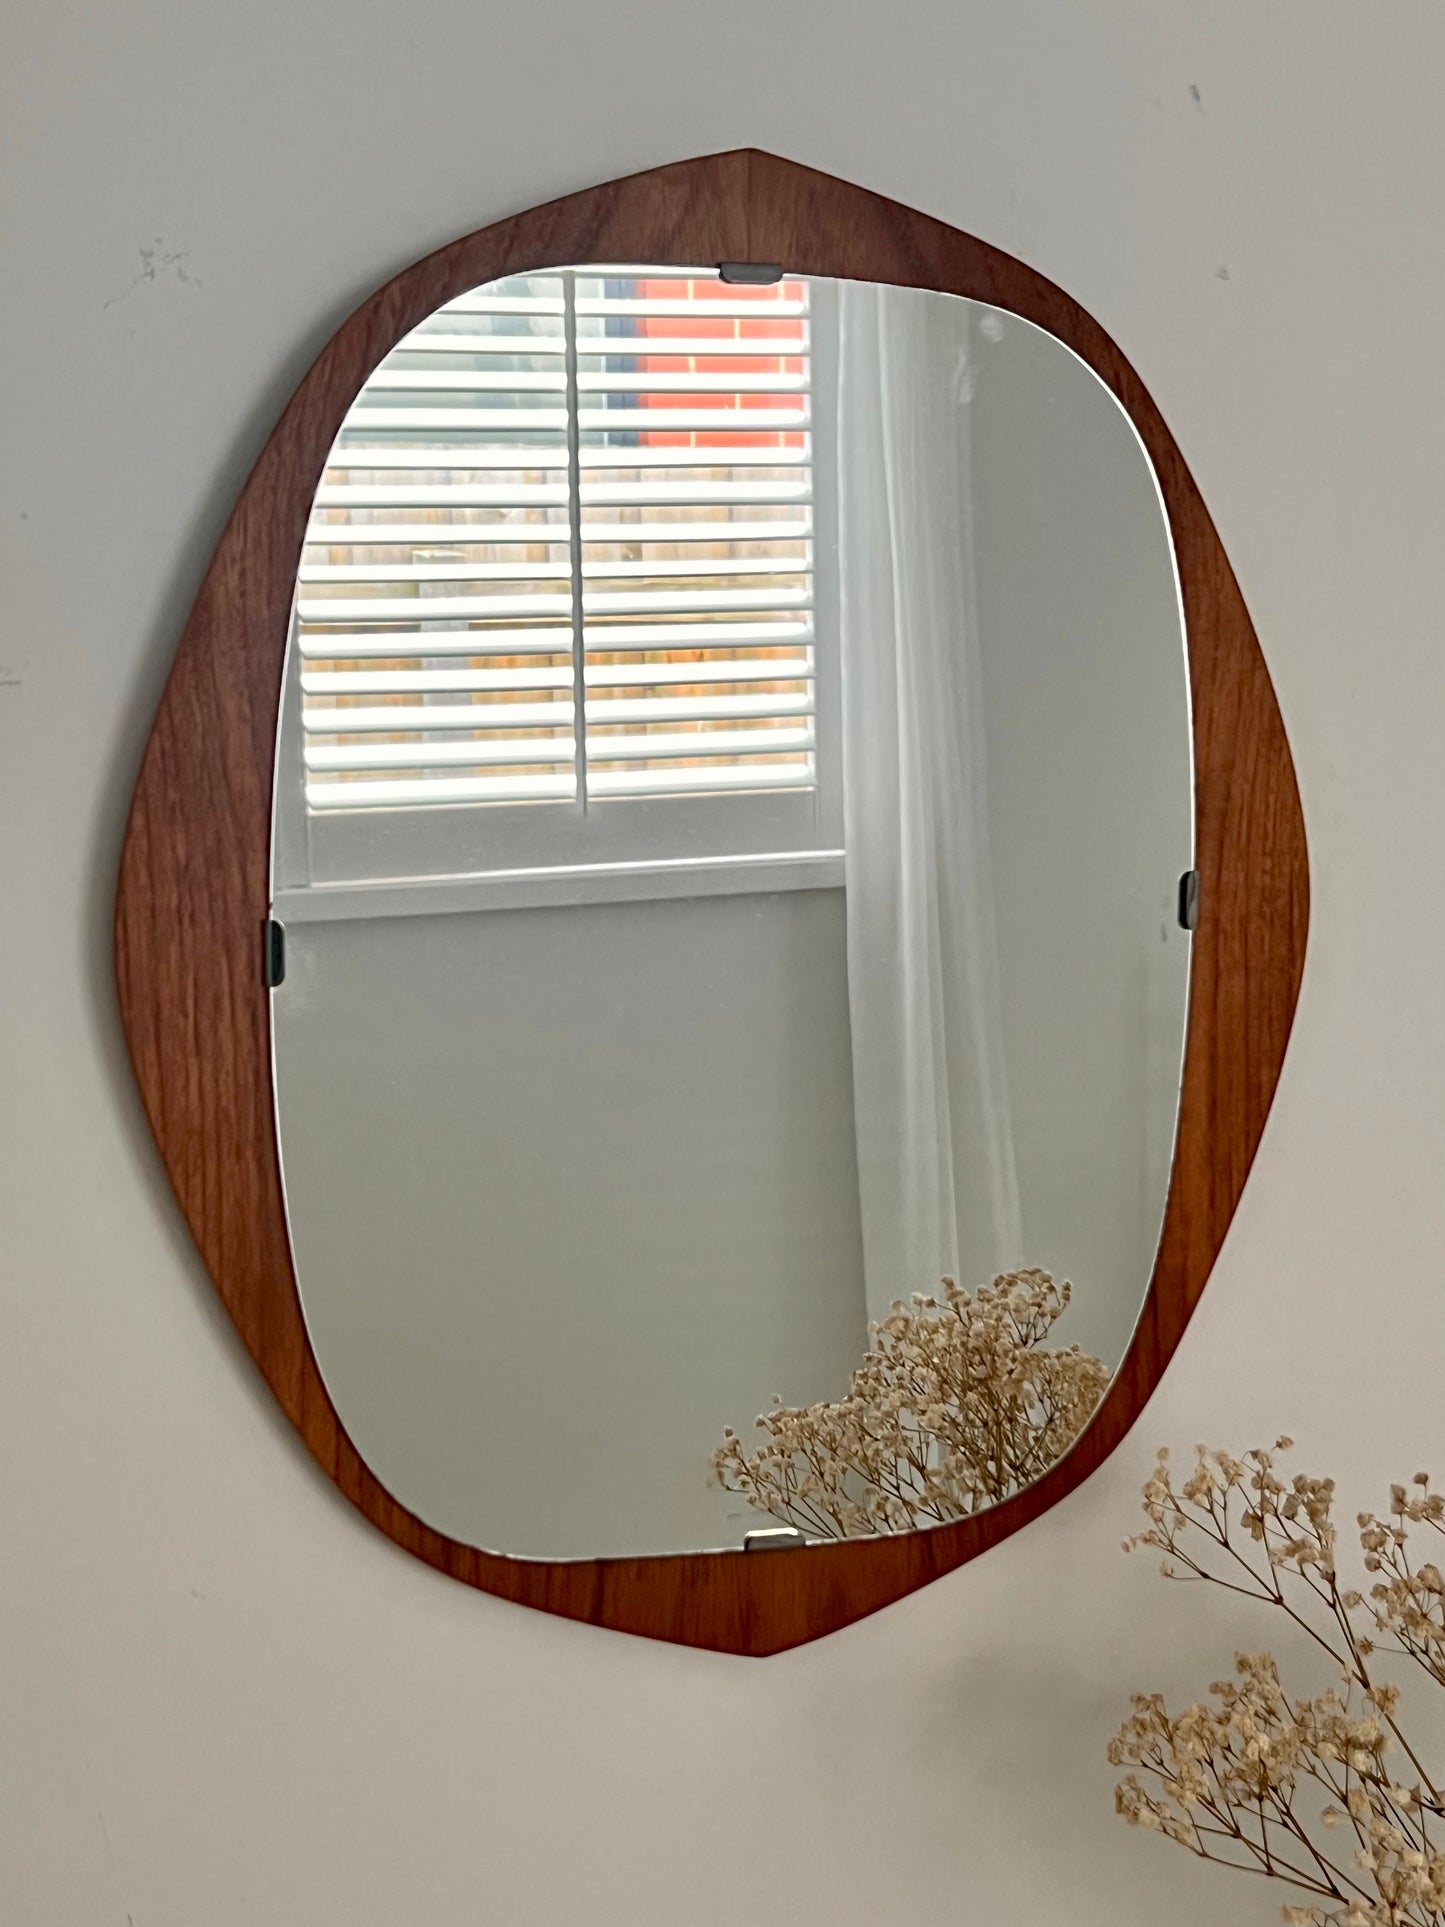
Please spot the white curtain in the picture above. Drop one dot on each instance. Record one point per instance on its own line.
(937, 1179)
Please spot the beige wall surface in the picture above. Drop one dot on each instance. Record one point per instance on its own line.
(1086, 731)
(223, 1697)
(570, 1189)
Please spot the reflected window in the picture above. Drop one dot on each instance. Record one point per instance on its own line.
(556, 603)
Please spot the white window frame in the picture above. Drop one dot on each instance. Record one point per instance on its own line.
(383, 861)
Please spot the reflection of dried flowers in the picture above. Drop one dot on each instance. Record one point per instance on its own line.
(954, 1406)
(1228, 1780)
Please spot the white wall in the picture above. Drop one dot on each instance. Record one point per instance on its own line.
(571, 1189)
(224, 1698)
(1086, 708)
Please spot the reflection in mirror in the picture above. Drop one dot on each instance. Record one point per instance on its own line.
(732, 787)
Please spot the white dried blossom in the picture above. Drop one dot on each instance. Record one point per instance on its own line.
(956, 1404)
(1237, 1779)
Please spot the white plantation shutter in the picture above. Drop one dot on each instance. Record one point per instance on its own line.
(560, 566)
(434, 599)
(675, 591)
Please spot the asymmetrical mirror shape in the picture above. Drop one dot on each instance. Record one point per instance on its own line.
(695, 800)
(733, 786)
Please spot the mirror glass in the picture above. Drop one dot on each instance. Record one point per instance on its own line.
(732, 793)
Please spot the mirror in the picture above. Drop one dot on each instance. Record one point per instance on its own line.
(732, 790)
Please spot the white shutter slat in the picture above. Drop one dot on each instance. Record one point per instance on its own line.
(686, 635)
(460, 535)
(438, 495)
(664, 675)
(402, 719)
(699, 709)
(711, 529)
(653, 494)
(461, 381)
(486, 301)
(701, 778)
(546, 640)
(396, 645)
(668, 746)
(640, 570)
(507, 423)
(467, 789)
(458, 571)
(361, 756)
(590, 346)
(426, 340)
(438, 421)
(671, 674)
(598, 602)
(433, 535)
(648, 748)
(718, 381)
(350, 454)
(692, 566)
(429, 682)
(748, 493)
(689, 420)
(590, 306)
(713, 454)
(606, 602)
(442, 609)
(373, 455)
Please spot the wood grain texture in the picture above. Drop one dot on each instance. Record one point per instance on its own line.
(193, 884)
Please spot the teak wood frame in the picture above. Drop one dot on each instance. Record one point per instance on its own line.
(195, 872)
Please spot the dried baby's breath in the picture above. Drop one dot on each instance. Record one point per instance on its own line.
(957, 1403)
(1299, 1790)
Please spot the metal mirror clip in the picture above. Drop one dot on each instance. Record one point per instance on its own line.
(774, 1539)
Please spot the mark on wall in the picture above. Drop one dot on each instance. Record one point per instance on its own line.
(157, 261)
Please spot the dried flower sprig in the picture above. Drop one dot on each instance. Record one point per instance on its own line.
(957, 1403)
(1255, 1781)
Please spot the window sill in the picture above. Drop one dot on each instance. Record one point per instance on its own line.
(552, 887)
